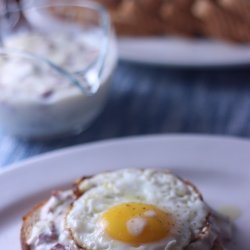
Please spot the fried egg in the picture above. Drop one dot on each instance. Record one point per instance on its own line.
(136, 210)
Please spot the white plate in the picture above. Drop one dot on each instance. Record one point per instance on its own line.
(183, 52)
(220, 167)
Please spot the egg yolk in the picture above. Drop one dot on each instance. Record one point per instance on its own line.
(137, 223)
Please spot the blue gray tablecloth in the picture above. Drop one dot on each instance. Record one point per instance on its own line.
(152, 100)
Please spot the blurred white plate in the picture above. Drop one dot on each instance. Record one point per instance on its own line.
(183, 52)
(219, 166)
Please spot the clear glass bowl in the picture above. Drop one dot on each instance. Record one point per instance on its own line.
(55, 68)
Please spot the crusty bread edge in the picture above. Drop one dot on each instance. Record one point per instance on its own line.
(28, 220)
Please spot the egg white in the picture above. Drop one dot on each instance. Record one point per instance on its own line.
(162, 190)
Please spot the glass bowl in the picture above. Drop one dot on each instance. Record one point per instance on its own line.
(55, 68)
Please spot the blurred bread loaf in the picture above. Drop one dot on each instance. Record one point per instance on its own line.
(225, 24)
(221, 19)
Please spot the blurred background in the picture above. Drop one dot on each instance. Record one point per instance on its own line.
(182, 67)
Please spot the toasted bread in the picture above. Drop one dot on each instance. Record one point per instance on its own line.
(208, 235)
(29, 220)
(221, 19)
(218, 22)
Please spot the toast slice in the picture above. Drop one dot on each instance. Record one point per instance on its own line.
(33, 216)
(211, 236)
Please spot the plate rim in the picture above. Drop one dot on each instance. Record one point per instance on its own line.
(123, 40)
(26, 163)
(31, 192)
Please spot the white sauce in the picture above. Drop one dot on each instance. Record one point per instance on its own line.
(37, 101)
(29, 79)
(54, 212)
(71, 51)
